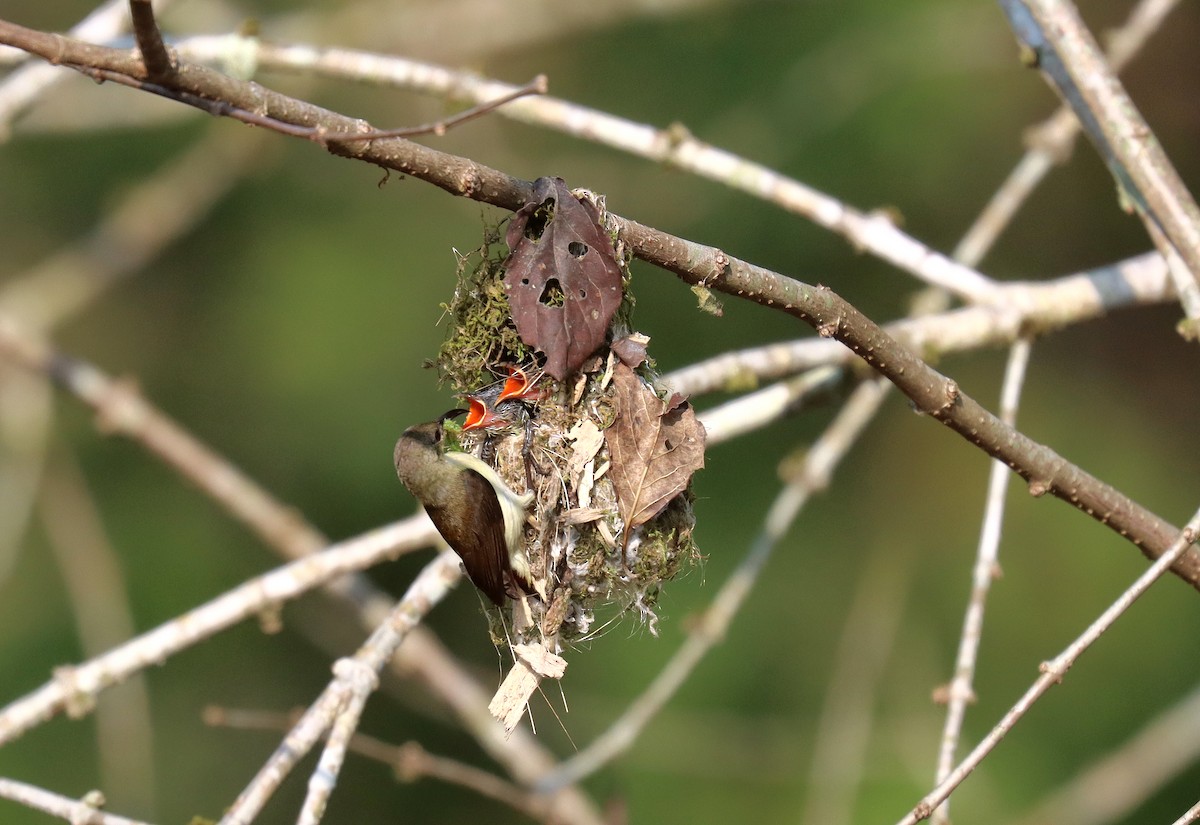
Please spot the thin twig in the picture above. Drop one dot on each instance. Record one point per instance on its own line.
(538, 86)
(1020, 308)
(339, 705)
(412, 762)
(84, 811)
(1051, 141)
(1128, 137)
(819, 464)
(74, 689)
(674, 146)
(1054, 671)
(961, 691)
(159, 66)
(1114, 786)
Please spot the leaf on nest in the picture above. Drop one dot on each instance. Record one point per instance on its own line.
(585, 438)
(562, 276)
(632, 349)
(655, 448)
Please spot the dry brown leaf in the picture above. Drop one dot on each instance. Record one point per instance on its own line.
(632, 349)
(562, 276)
(654, 449)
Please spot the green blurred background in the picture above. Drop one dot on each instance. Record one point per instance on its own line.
(288, 331)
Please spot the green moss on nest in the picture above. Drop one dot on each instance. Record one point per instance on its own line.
(575, 530)
(482, 332)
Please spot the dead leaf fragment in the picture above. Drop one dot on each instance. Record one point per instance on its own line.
(561, 276)
(632, 349)
(533, 663)
(707, 302)
(585, 438)
(655, 449)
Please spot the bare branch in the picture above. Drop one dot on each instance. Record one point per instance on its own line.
(341, 703)
(1020, 308)
(673, 146)
(74, 689)
(77, 812)
(159, 66)
(961, 690)
(22, 87)
(1054, 671)
(1051, 141)
(410, 762)
(1128, 137)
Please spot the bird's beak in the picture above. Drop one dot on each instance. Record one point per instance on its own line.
(481, 416)
(520, 386)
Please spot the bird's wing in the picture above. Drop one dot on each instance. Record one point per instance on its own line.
(479, 531)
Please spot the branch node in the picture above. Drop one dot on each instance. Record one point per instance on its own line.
(77, 702)
(953, 394)
(1038, 487)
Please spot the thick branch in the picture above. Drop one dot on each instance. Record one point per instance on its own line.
(930, 391)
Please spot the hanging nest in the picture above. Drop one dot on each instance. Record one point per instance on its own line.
(594, 537)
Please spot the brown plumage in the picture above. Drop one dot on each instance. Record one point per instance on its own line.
(478, 515)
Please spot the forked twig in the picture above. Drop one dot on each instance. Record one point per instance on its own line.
(339, 706)
(410, 762)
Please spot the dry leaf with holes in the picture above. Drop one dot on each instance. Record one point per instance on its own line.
(562, 276)
(655, 448)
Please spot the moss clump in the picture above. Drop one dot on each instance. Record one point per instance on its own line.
(482, 332)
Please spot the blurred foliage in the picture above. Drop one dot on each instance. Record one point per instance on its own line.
(289, 329)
